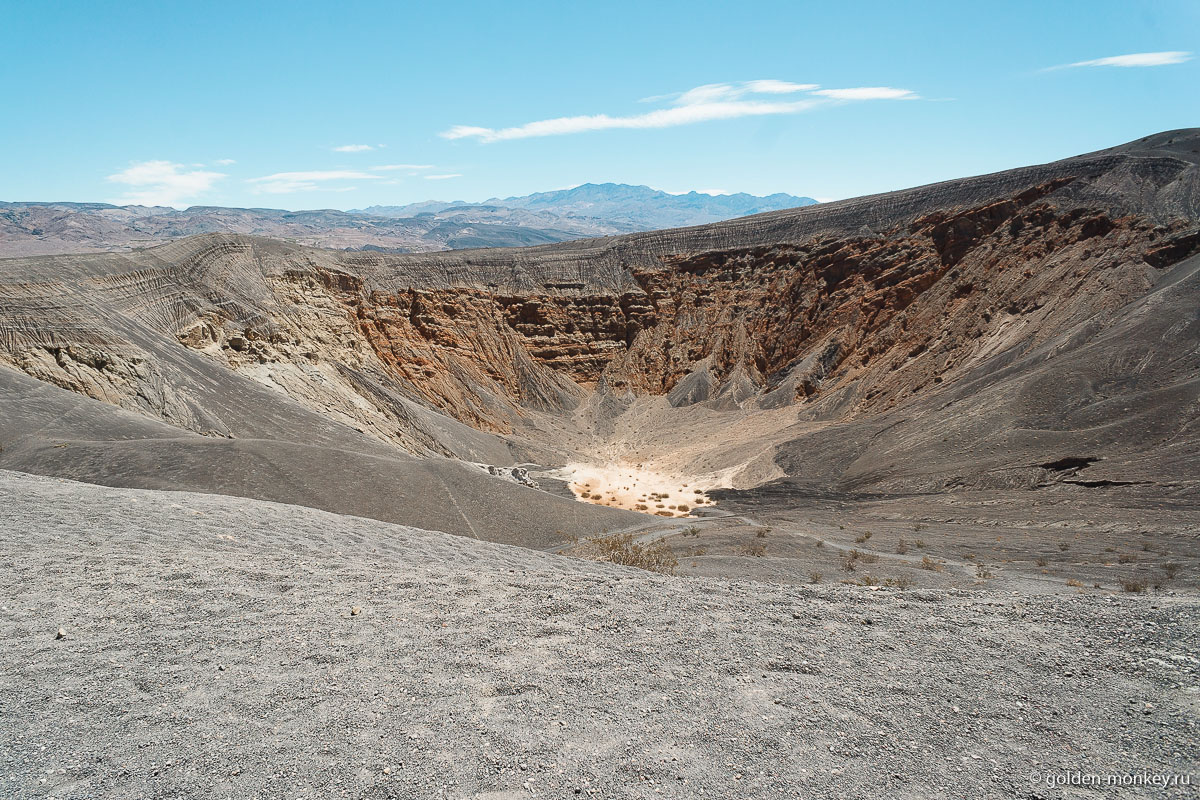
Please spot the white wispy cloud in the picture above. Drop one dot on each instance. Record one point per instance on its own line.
(307, 181)
(225, 162)
(163, 183)
(1160, 59)
(445, 177)
(393, 167)
(353, 148)
(712, 101)
(867, 93)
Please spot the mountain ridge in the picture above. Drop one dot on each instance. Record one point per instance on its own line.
(48, 228)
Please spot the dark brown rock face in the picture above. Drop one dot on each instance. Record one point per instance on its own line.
(887, 315)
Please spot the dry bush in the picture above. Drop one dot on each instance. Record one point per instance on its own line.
(762, 533)
(862, 537)
(866, 558)
(1041, 562)
(1171, 568)
(757, 550)
(691, 530)
(849, 564)
(982, 572)
(1075, 583)
(1132, 585)
(1126, 558)
(815, 577)
(919, 544)
(620, 548)
(685, 508)
(931, 565)
(1064, 546)
(901, 546)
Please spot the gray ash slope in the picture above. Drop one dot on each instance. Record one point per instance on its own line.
(224, 647)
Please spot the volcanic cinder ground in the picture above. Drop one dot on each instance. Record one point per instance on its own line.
(280, 521)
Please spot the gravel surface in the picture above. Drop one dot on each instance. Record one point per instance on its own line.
(163, 644)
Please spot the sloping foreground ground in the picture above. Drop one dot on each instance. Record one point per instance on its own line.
(212, 648)
(305, 460)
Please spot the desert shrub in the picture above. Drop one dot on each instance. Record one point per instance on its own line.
(931, 565)
(901, 546)
(1064, 546)
(900, 582)
(866, 558)
(684, 508)
(1132, 585)
(815, 577)
(849, 563)
(982, 572)
(757, 550)
(620, 548)
(918, 527)
(820, 543)
(1075, 583)
(691, 530)
(919, 544)
(862, 537)
(1171, 569)
(762, 533)
(1126, 558)
(1041, 562)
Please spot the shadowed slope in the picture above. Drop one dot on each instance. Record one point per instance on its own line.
(50, 431)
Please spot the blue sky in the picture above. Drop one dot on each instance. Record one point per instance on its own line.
(343, 105)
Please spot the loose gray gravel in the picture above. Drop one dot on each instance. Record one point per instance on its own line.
(210, 650)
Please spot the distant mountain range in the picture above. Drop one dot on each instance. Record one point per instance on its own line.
(584, 211)
(616, 207)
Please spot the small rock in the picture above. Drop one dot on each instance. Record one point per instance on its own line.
(354, 612)
(61, 634)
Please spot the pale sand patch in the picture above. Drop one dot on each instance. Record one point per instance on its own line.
(631, 487)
